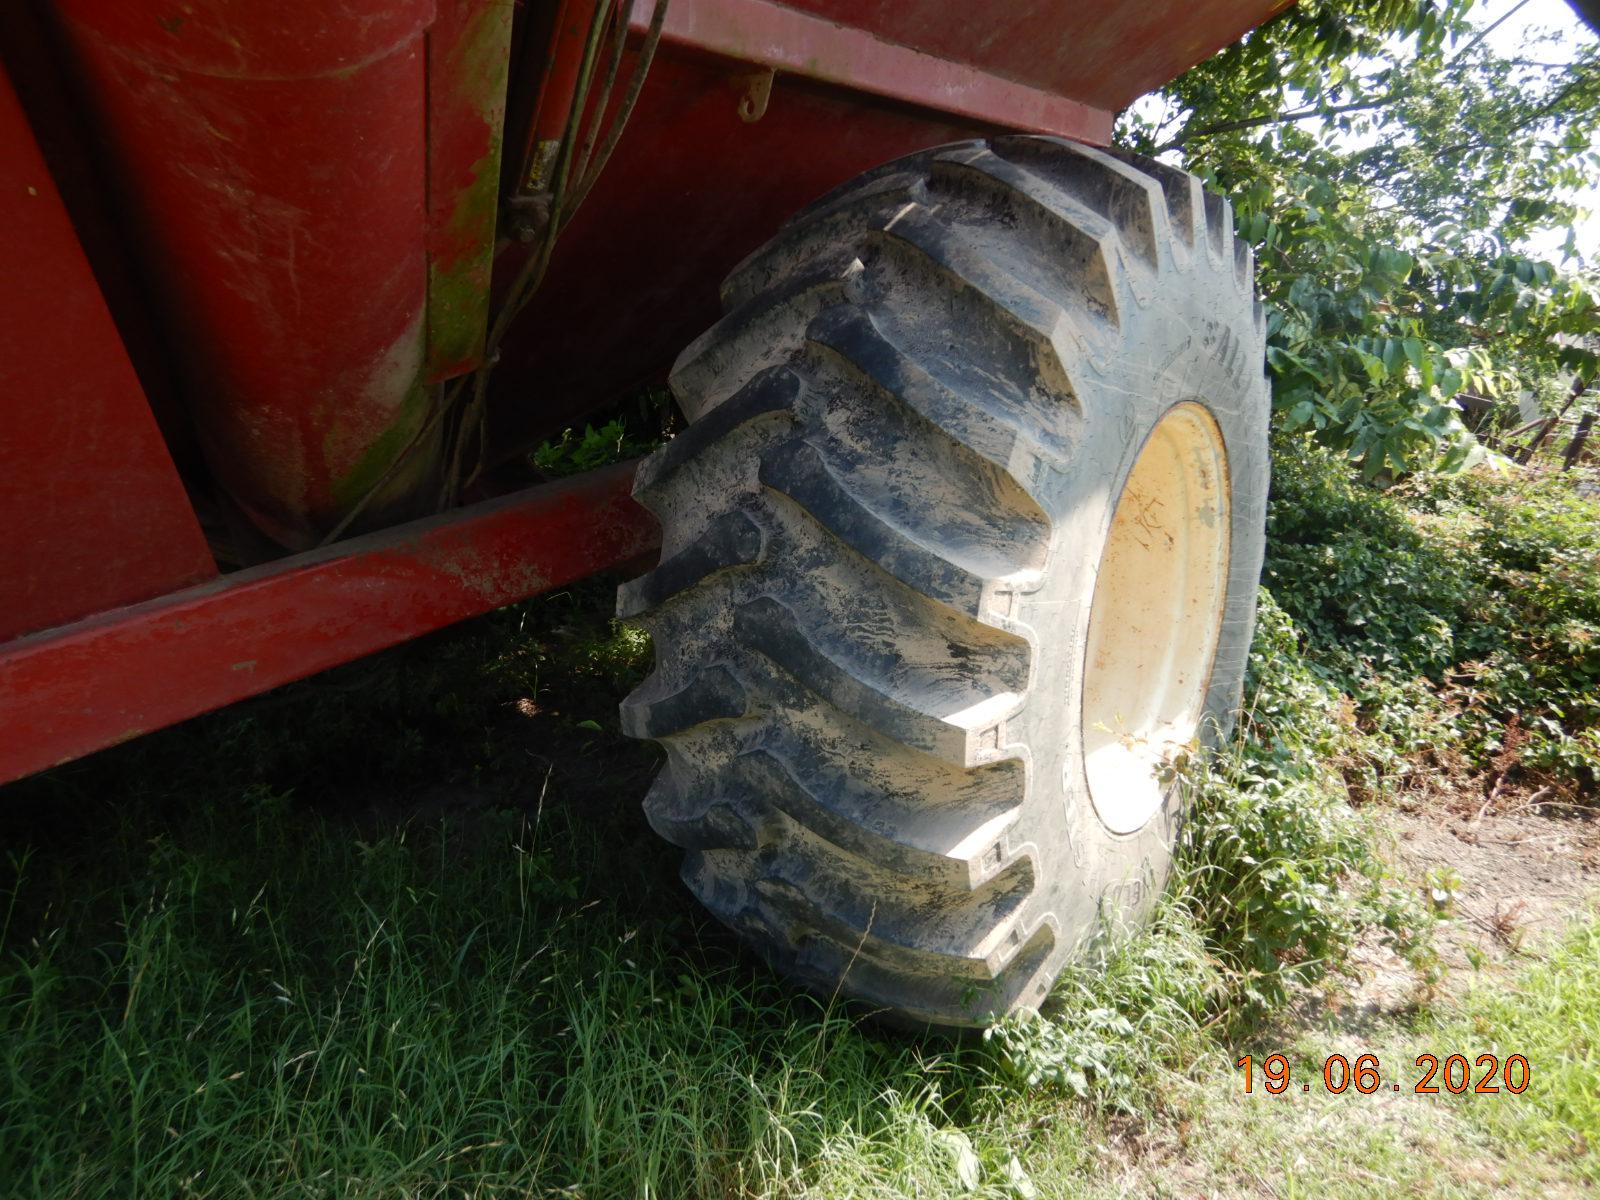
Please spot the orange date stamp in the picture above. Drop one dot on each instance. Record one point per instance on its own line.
(1484, 1075)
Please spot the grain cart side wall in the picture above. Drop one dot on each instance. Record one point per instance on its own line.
(92, 512)
(273, 158)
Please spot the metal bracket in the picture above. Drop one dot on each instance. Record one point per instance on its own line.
(757, 89)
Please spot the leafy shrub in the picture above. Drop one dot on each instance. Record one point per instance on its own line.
(1539, 552)
(1371, 589)
(573, 453)
(1280, 869)
(636, 425)
(1458, 612)
(1109, 1021)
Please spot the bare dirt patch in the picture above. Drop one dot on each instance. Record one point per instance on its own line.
(1504, 878)
(1517, 875)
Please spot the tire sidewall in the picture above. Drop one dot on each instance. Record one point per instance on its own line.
(1192, 340)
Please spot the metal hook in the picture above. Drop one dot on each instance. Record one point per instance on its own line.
(757, 90)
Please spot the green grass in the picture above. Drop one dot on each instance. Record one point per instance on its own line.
(1219, 1141)
(1550, 1014)
(1318, 1143)
(390, 933)
(260, 1002)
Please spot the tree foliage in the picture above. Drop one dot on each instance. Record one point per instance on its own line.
(1385, 162)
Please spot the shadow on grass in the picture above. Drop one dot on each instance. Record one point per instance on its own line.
(402, 930)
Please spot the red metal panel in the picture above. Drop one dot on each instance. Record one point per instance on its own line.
(92, 509)
(272, 158)
(1105, 54)
(635, 276)
(838, 51)
(467, 60)
(115, 676)
(33, 58)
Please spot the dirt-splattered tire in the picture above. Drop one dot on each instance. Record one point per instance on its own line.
(960, 548)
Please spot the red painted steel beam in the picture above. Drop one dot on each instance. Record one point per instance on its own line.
(68, 691)
(799, 44)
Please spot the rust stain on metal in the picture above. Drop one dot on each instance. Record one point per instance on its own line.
(468, 65)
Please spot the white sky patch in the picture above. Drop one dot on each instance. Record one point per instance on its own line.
(1508, 41)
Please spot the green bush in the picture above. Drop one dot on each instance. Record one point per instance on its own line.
(1540, 551)
(573, 453)
(1280, 869)
(1371, 589)
(1112, 1020)
(1459, 613)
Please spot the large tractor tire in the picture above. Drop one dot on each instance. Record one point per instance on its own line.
(960, 553)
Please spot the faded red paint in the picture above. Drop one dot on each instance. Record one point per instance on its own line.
(1103, 54)
(92, 510)
(272, 156)
(123, 673)
(467, 66)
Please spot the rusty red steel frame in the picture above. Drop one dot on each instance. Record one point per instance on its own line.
(207, 646)
(307, 195)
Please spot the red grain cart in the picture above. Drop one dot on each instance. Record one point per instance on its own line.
(957, 554)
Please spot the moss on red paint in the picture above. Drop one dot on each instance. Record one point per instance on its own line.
(377, 458)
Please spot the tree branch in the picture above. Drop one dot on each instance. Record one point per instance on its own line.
(1485, 32)
(1538, 114)
(1304, 114)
